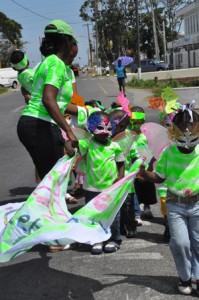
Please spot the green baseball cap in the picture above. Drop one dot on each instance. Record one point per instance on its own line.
(60, 27)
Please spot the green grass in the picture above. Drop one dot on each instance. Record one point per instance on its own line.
(3, 90)
(158, 86)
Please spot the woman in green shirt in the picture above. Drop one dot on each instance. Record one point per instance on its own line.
(39, 126)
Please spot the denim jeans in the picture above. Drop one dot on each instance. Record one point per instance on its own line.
(183, 222)
(137, 206)
(115, 227)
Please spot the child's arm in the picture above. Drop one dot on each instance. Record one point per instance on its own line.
(120, 169)
(149, 176)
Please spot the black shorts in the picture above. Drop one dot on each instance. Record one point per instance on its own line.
(43, 140)
(145, 191)
(121, 81)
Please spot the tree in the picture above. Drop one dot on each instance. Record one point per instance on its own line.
(10, 38)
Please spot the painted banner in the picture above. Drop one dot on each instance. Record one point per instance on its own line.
(45, 219)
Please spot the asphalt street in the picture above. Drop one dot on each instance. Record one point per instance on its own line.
(142, 269)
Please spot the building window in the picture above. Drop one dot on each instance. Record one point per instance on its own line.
(194, 26)
(188, 26)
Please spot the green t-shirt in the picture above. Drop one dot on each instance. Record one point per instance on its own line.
(101, 167)
(179, 170)
(51, 71)
(26, 79)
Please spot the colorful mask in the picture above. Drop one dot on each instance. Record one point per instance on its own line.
(187, 139)
(101, 125)
(104, 127)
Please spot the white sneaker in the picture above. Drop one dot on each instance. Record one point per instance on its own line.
(185, 287)
(138, 221)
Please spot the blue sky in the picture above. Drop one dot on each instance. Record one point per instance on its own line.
(33, 25)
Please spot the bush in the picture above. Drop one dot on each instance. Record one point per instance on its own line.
(156, 86)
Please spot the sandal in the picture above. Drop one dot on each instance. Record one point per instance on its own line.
(77, 191)
(71, 200)
(55, 248)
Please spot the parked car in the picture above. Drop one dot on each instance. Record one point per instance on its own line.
(7, 82)
(150, 65)
(8, 78)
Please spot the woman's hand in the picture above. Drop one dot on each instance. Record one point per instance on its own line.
(69, 149)
(74, 141)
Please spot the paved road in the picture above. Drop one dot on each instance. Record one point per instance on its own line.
(142, 269)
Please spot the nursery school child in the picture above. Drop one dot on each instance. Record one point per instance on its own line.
(145, 191)
(127, 213)
(104, 167)
(20, 63)
(178, 166)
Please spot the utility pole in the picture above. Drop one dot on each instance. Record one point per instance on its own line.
(157, 50)
(138, 38)
(90, 46)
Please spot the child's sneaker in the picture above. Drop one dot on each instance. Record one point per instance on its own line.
(111, 246)
(138, 221)
(97, 248)
(185, 287)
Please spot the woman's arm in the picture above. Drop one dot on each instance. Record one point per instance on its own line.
(49, 100)
(149, 176)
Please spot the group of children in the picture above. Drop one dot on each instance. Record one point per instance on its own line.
(106, 162)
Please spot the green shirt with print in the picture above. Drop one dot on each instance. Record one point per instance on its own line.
(54, 72)
(179, 170)
(101, 167)
(26, 79)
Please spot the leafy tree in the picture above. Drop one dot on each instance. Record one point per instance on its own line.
(117, 24)
(10, 38)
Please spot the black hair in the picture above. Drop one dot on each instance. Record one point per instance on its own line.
(137, 109)
(93, 103)
(183, 117)
(16, 56)
(52, 43)
(115, 105)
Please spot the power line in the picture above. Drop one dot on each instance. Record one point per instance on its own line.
(39, 14)
(30, 10)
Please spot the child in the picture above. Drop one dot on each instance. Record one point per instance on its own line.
(127, 217)
(25, 75)
(145, 191)
(104, 166)
(178, 166)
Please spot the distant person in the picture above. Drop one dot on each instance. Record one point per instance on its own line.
(107, 70)
(121, 75)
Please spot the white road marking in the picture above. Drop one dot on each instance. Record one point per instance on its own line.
(103, 90)
(17, 109)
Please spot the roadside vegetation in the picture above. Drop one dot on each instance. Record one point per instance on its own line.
(157, 87)
(3, 90)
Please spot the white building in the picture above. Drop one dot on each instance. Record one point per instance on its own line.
(185, 51)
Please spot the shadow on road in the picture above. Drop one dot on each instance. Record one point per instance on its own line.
(24, 190)
(35, 280)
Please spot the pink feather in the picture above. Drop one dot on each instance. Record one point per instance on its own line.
(124, 102)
